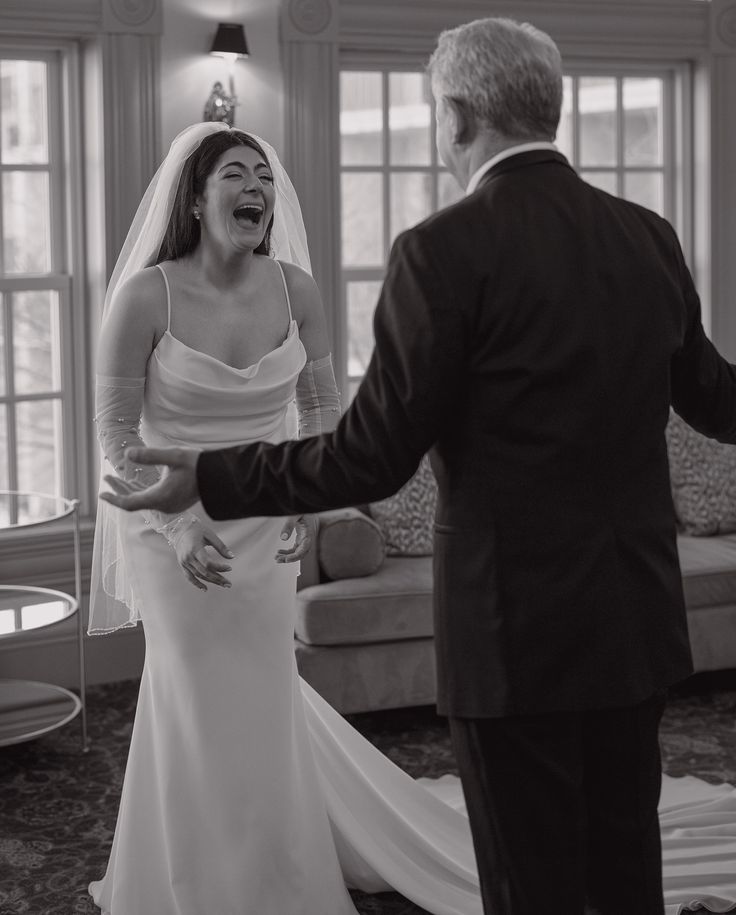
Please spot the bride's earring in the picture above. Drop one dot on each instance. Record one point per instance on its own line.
(196, 213)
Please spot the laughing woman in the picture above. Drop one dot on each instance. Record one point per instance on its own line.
(204, 340)
(245, 793)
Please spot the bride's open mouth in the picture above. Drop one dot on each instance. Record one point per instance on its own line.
(248, 215)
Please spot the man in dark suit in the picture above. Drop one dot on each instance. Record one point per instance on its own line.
(532, 337)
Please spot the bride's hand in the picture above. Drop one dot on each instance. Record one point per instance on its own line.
(303, 541)
(197, 563)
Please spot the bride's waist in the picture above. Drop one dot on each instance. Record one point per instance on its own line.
(192, 434)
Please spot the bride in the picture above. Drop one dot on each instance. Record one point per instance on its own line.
(245, 793)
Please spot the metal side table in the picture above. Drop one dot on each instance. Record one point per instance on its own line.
(29, 708)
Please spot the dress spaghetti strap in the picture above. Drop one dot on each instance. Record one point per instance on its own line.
(286, 290)
(168, 297)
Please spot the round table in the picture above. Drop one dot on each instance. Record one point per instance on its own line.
(29, 708)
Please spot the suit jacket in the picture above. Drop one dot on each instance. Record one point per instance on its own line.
(532, 337)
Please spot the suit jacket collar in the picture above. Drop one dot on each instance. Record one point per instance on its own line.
(523, 160)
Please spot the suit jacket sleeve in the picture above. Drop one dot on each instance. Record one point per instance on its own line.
(703, 383)
(409, 390)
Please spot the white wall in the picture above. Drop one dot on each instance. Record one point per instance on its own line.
(188, 71)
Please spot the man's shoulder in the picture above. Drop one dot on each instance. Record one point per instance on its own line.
(442, 223)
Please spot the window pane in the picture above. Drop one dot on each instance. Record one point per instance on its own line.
(39, 446)
(4, 470)
(26, 222)
(642, 100)
(564, 131)
(409, 119)
(362, 219)
(24, 122)
(448, 190)
(597, 111)
(36, 343)
(362, 298)
(361, 119)
(411, 200)
(646, 188)
(606, 181)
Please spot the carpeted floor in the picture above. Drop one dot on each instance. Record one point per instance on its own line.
(58, 806)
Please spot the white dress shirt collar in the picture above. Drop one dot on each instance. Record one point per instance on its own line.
(504, 154)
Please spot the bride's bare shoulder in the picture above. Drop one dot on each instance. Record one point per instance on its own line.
(303, 292)
(143, 296)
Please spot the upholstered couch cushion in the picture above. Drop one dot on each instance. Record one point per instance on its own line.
(708, 567)
(349, 544)
(703, 475)
(407, 517)
(393, 604)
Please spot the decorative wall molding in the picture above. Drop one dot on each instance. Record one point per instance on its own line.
(77, 18)
(309, 37)
(73, 17)
(309, 20)
(723, 27)
(596, 24)
(137, 16)
(130, 108)
(311, 83)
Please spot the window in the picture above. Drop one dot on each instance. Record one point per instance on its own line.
(390, 180)
(618, 129)
(36, 408)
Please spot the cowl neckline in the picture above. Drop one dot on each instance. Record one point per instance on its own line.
(247, 371)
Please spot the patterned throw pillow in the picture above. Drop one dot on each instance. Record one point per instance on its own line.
(703, 475)
(407, 517)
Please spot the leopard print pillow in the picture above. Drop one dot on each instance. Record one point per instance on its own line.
(407, 518)
(703, 477)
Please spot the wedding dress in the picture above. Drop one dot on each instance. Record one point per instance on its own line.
(245, 793)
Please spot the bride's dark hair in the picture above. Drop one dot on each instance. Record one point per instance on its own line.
(183, 231)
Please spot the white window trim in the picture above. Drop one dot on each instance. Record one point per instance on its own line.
(113, 78)
(676, 150)
(669, 32)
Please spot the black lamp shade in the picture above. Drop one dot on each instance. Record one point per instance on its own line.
(229, 39)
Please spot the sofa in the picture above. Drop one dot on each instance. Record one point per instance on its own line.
(364, 628)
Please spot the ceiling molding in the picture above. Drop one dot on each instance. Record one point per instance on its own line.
(80, 17)
(677, 26)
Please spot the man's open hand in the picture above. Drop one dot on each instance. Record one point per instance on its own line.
(174, 492)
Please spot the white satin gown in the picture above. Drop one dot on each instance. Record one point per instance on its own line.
(245, 793)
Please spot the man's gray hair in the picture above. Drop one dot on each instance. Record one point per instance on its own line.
(508, 74)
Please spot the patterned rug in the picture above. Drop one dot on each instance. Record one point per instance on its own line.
(58, 806)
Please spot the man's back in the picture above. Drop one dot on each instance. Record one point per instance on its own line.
(553, 475)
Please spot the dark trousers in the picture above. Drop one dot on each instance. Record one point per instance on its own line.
(563, 810)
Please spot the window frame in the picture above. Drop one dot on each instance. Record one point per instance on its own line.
(66, 276)
(677, 165)
(434, 168)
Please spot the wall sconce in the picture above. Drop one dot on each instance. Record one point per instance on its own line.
(229, 42)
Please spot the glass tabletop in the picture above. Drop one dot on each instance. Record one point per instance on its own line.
(24, 608)
(23, 509)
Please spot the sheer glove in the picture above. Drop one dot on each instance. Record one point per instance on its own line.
(318, 410)
(317, 398)
(119, 402)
